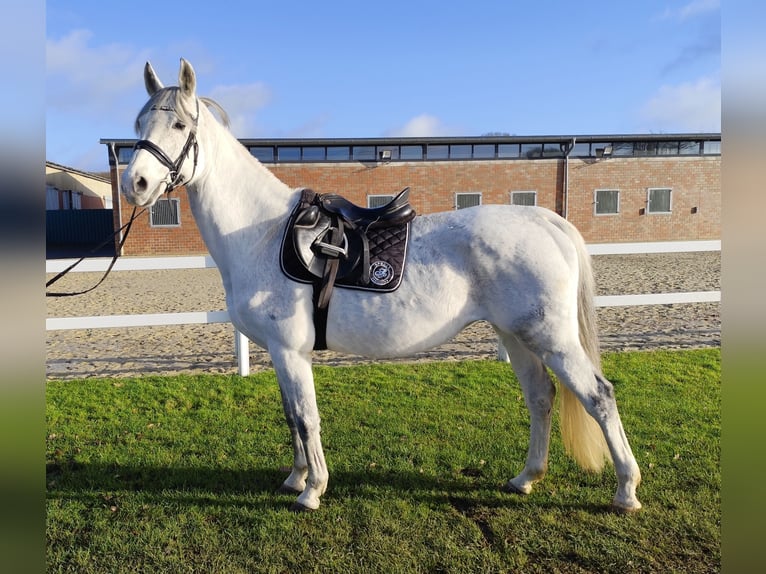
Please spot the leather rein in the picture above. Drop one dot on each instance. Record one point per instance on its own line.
(172, 180)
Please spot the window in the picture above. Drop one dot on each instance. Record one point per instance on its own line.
(411, 152)
(507, 150)
(463, 200)
(552, 150)
(460, 151)
(581, 149)
(364, 152)
(484, 151)
(434, 151)
(124, 155)
(523, 198)
(289, 153)
(337, 153)
(531, 151)
(712, 147)
(165, 213)
(262, 153)
(690, 148)
(607, 202)
(658, 200)
(313, 154)
(378, 200)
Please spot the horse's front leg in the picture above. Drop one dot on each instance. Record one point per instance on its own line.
(296, 383)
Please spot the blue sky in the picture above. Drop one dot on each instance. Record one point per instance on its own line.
(389, 68)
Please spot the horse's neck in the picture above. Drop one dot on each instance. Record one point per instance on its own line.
(237, 202)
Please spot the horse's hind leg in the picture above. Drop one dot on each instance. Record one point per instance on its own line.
(539, 393)
(596, 394)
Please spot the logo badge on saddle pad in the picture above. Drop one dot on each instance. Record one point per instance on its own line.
(381, 273)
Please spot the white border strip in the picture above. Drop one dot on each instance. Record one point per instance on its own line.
(148, 320)
(657, 299)
(653, 247)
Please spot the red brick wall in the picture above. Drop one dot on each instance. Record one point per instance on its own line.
(695, 182)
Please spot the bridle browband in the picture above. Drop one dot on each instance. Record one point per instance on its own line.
(174, 177)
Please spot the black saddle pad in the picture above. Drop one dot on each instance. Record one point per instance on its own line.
(388, 254)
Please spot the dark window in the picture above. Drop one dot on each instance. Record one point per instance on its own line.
(263, 153)
(165, 213)
(508, 150)
(124, 154)
(552, 150)
(484, 151)
(313, 154)
(667, 148)
(289, 153)
(607, 201)
(460, 151)
(531, 151)
(411, 152)
(337, 153)
(437, 152)
(364, 152)
(690, 148)
(463, 200)
(659, 200)
(622, 148)
(523, 198)
(580, 149)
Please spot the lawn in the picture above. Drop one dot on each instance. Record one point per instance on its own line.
(179, 474)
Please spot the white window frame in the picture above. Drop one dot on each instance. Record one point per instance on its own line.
(467, 194)
(649, 203)
(376, 200)
(533, 192)
(595, 202)
(177, 202)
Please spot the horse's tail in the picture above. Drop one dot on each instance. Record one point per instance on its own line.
(583, 438)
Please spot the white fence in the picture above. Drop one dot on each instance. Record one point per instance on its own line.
(242, 343)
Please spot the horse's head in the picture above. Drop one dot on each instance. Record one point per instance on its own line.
(166, 154)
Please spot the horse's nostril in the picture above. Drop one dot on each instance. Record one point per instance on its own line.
(141, 184)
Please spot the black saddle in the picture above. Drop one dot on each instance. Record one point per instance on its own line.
(329, 240)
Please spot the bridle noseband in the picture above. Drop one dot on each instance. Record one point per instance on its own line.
(174, 177)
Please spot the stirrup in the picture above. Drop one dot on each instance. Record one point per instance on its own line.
(330, 250)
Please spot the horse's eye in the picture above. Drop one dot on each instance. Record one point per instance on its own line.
(179, 125)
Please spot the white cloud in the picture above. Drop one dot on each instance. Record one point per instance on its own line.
(691, 106)
(423, 125)
(692, 9)
(242, 102)
(81, 76)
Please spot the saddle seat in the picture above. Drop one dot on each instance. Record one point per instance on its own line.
(392, 213)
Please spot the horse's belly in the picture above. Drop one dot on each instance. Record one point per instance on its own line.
(421, 314)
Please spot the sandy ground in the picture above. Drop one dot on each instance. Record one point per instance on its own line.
(210, 348)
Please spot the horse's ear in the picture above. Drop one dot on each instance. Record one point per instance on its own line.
(151, 80)
(187, 79)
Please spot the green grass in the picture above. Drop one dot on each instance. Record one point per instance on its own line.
(178, 474)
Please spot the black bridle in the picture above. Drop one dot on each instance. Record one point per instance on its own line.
(174, 178)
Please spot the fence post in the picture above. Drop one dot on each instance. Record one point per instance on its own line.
(242, 348)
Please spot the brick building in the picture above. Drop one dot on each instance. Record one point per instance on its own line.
(613, 188)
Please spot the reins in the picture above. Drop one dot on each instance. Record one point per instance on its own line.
(174, 180)
(58, 276)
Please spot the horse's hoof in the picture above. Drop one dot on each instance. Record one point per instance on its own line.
(510, 488)
(619, 509)
(298, 507)
(284, 489)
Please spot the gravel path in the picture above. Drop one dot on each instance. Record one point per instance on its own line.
(210, 348)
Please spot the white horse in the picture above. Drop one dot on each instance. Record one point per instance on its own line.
(524, 270)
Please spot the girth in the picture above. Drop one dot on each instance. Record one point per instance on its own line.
(330, 241)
